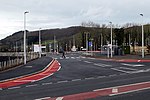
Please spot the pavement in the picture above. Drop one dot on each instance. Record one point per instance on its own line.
(33, 71)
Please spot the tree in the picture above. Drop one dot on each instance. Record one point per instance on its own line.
(119, 36)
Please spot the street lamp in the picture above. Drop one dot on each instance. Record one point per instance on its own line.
(111, 38)
(40, 43)
(86, 33)
(25, 36)
(142, 38)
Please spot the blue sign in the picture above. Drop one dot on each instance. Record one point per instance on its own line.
(90, 44)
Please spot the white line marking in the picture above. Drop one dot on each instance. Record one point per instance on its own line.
(43, 77)
(17, 87)
(114, 90)
(101, 76)
(121, 70)
(59, 64)
(129, 91)
(60, 98)
(62, 81)
(76, 79)
(132, 65)
(59, 68)
(23, 81)
(89, 78)
(102, 65)
(31, 85)
(43, 98)
(72, 57)
(128, 68)
(122, 86)
(112, 75)
(87, 62)
(91, 58)
(67, 57)
(47, 83)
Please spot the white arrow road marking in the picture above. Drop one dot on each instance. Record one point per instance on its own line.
(60, 98)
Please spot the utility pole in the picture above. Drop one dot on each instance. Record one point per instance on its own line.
(142, 37)
(54, 43)
(40, 43)
(25, 59)
(111, 39)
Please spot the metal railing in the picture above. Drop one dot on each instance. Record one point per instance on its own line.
(17, 61)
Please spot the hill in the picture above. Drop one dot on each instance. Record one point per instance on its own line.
(32, 37)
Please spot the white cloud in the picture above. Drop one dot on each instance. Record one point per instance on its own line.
(63, 13)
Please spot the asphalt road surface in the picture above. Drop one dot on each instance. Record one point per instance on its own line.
(82, 74)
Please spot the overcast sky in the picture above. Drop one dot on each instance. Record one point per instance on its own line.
(47, 14)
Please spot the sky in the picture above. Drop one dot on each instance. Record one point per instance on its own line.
(49, 14)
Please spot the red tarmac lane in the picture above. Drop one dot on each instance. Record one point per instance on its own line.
(52, 67)
(105, 92)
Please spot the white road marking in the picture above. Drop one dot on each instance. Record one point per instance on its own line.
(47, 83)
(89, 78)
(72, 58)
(102, 65)
(32, 85)
(59, 68)
(112, 75)
(128, 68)
(120, 70)
(91, 58)
(59, 64)
(114, 90)
(122, 86)
(28, 66)
(60, 58)
(62, 81)
(128, 91)
(17, 87)
(76, 79)
(87, 62)
(43, 98)
(132, 65)
(101, 76)
(60, 98)
(67, 57)
(24, 81)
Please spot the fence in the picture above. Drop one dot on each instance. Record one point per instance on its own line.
(17, 61)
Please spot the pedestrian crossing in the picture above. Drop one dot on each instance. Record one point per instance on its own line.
(68, 58)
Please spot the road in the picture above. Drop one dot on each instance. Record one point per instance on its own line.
(80, 75)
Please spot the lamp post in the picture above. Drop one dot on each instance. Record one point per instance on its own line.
(111, 39)
(40, 43)
(25, 37)
(142, 37)
(86, 33)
